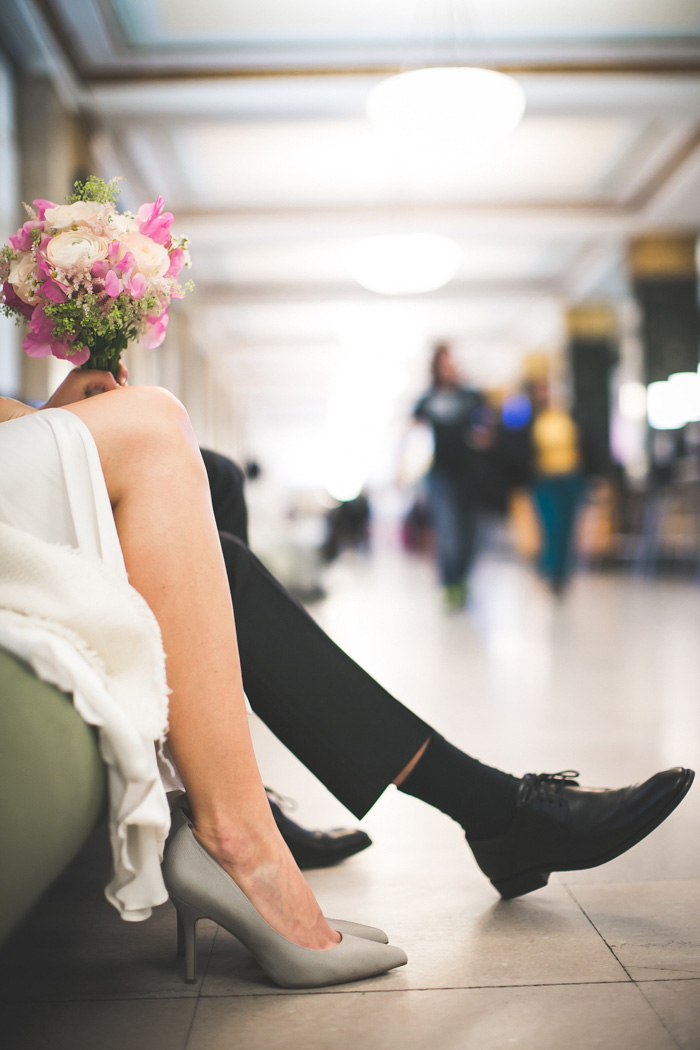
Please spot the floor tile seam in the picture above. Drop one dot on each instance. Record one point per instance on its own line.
(661, 980)
(407, 991)
(203, 969)
(659, 1018)
(589, 920)
(40, 1001)
(188, 1037)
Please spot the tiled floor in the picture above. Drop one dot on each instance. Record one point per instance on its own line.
(606, 682)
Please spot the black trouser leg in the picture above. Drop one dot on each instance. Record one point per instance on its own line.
(349, 731)
(227, 487)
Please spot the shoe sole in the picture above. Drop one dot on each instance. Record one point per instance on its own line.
(526, 882)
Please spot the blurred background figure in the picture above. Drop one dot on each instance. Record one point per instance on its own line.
(462, 430)
(557, 486)
(347, 528)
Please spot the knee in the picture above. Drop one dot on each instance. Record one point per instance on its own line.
(155, 405)
(153, 417)
(150, 439)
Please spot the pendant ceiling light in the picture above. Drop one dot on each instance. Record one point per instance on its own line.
(462, 107)
(404, 264)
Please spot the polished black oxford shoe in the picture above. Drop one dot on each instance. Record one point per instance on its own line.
(560, 826)
(316, 849)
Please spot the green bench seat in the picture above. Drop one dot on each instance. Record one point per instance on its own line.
(53, 787)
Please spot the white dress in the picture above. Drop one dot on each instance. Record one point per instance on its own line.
(67, 608)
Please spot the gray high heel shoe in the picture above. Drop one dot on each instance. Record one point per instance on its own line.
(200, 888)
(180, 816)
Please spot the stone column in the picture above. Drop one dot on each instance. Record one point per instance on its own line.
(53, 150)
(664, 276)
(10, 351)
(592, 348)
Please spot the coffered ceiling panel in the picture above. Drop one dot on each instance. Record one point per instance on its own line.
(134, 31)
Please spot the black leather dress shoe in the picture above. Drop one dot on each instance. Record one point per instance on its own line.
(317, 849)
(559, 826)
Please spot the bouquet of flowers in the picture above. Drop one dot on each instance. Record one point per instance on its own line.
(89, 279)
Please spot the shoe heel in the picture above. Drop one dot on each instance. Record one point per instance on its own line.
(180, 935)
(521, 884)
(187, 937)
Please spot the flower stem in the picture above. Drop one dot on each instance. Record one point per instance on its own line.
(103, 363)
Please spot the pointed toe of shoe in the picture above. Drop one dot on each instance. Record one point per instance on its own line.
(353, 959)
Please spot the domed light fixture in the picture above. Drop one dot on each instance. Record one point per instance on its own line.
(666, 408)
(686, 388)
(458, 107)
(404, 264)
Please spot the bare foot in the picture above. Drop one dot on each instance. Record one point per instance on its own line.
(262, 866)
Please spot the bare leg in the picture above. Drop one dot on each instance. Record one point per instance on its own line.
(160, 497)
(411, 765)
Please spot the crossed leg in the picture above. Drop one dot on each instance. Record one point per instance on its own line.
(160, 499)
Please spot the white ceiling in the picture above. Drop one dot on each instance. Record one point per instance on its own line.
(248, 118)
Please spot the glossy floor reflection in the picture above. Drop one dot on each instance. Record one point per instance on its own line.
(605, 682)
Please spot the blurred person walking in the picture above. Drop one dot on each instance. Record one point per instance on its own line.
(558, 486)
(462, 430)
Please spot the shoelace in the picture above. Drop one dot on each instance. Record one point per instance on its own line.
(547, 784)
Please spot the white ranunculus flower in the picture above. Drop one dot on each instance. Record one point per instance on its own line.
(81, 213)
(21, 270)
(71, 247)
(152, 260)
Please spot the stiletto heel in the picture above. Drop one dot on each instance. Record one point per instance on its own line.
(180, 935)
(200, 888)
(187, 937)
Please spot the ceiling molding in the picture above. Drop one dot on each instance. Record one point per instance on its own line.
(689, 67)
(671, 56)
(666, 171)
(218, 293)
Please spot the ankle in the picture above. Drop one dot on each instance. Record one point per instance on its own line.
(480, 798)
(237, 847)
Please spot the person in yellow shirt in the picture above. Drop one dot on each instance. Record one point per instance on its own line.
(558, 484)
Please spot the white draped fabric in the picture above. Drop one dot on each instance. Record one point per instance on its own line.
(66, 607)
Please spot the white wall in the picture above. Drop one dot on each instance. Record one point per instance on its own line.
(10, 378)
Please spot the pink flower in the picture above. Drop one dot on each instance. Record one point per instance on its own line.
(22, 240)
(36, 345)
(65, 350)
(41, 206)
(154, 225)
(155, 334)
(79, 357)
(177, 261)
(137, 285)
(38, 341)
(14, 301)
(128, 262)
(53, 290)
(100, 269)
(43, 270)
(113, 285)
(40, 324)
